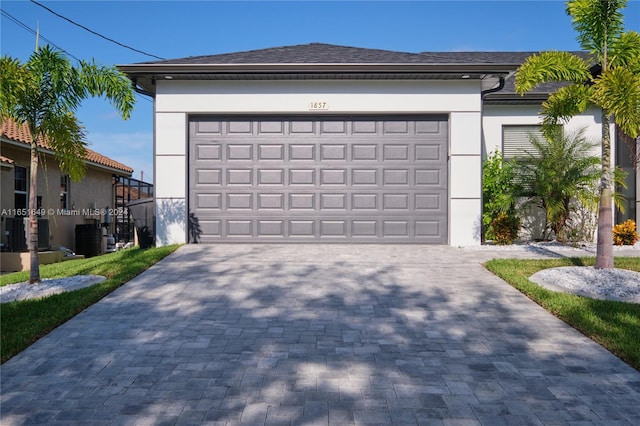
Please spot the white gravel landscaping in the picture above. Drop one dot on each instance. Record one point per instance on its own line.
(24, 290)
(604, 284)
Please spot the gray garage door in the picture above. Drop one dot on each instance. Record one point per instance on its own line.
(356, 179)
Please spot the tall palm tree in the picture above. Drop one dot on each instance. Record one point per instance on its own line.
(44, 92)
(609, 80)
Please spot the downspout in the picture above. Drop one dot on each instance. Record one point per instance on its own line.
(483, 93)
(494, 89)
(134, 85)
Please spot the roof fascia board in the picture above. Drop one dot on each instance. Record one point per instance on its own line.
(150, 69)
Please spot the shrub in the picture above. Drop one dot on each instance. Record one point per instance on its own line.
(505, 228)
(625, 233)
(498, 196)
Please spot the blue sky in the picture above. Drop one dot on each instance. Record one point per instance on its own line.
(175, 29)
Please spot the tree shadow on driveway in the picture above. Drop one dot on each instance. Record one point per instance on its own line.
(274, 335)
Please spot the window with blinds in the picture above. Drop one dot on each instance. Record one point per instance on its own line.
(516, 140)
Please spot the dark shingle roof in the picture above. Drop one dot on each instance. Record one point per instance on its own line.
(321, 53)
(312, 53)
(328, 58)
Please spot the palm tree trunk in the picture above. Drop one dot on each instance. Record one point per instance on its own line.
(604, 250)
(34, 276)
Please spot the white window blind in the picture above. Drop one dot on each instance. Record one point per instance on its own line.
(516, 140)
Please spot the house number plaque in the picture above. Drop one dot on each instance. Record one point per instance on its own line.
(318, 106)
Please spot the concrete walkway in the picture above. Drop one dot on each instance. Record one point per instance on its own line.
(318, 334)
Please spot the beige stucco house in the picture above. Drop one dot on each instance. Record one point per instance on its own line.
(62, 202)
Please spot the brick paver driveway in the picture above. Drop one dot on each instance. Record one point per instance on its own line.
(317, 334)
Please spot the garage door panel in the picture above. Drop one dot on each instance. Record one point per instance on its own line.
(302, 177)
(364, 202)
(333, 228)
(211, 229)
(207, 127)
(240, 152)
(428, 228)
(396, 152)
(302, 152)
(271, 127)
(395, 202)
(364, 228)
(239, 176)
(365, 127)
(302, 201)
(333, 202)
(331, 180)
(333, 152)
(424, 126)
(239, 201)
(429, 177)
(395, 228)
(433, 202)
(270, 176)
(333, 177)
(271, 201)
(395, 127)
(239, 228)
(271, 152)
(208, 152)
(364, 152)
(364, 177)
(302, 127)
(208, 201)
(395, 177)
(271, 228)
(237, 127)
(208, 177)
(428, 153)
(333, 127)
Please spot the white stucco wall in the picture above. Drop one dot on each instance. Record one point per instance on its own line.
(175, 100)
(494, 117)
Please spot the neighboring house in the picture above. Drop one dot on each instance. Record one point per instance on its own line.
(320, 142)
(65, 203)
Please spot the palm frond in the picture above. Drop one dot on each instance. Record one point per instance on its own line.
(15, 83)
(598, 23)
(66, 136)
(617, 91)
(625, 51)
(563, 104)
(108, 82)
(551, 66)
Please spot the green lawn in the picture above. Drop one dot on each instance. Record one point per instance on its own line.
(24, 322)
(614, 325)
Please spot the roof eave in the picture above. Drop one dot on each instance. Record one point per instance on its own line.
(152, 69)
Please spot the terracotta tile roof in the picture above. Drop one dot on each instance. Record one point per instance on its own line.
(6, 160)
(11, 130)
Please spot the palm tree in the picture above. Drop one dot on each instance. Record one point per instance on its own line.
(44, 92)
(612, 85)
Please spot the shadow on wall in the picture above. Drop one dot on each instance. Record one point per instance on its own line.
(170, 221)
(195, 231)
